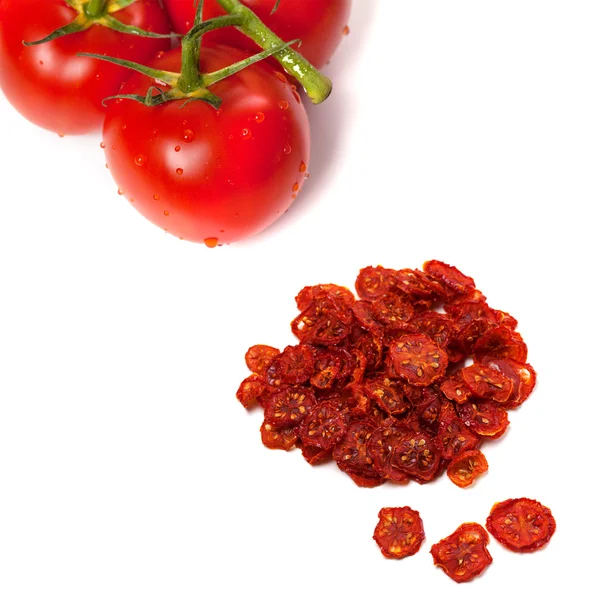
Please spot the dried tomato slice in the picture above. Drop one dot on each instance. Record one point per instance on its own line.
(450, 278)
(466, 467)
(391, 309)
(278, 438)
(289, 406)
(373, 282)
(323, 427)
(389, 399)
(259, 357)
(417, 455)
(522, 375)
(454, 388)
(293, 366)
(463, 555)
(315, 456)
(439, 328)
(331, 365)
(484, 418)
(417, 360)
(521, 524)
(454, 437)
(500, 342)
(380, 449)
(399, 532)
(313, 292)
(250, 390)
(417, 285)
(488, 383)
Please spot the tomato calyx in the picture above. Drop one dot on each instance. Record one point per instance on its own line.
(97, 12)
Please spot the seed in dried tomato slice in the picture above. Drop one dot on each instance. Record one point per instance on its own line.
(293, 366)
(389, 399)
(331, 365)
(454, 437)
(522, 375)
(371, 345)
(312, 292)
(465, 312)
(250, 390)
(466, 467)
(429, 416)
(399, 532)
(454, 388)
(365, 316)
(438, 327)
(417, 285)
(521, 524)
(289, 406)
(380, 449)
(471, 332)
(323, 427)
(328, 330)
(373, 282)
(315, 456)
(500, 342)
(358, 366)
(278, 438)
(463, 555)
(488, 383)
(350, 453)
(259, 357)
(417, 360)
(417, 454)
(451, 279)
(391, 309)
(484, 418)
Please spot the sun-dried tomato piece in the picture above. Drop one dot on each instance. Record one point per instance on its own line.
(465, 312)
(293, 366)
(350, 454)
(521, 524)
(438, 327)
(388, 398)
(503, 318)
(418, 285)
(289, 406)
(463, 555)
(380, 449)
(313, 292)
(315, 456)
(454, 437)
(390, 309)
(327, 330)
(323, 427)
(488, 383)
(466, 467)
(365, 316)
(331, 365)
(259, 357)
(278, 438)
(500, 342)
(470, 333)
(450, 278)
(454, 388)
(250, 390)
(417, 360)
(399, 532)
(358, 366)
(429, 415)
(522, 375)
(373, 282)
(371, 345)
(484, 418)
(417, 454)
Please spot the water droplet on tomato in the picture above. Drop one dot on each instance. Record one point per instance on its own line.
(179, 171)
(106, 165)
(246, 134)
(102, 145)
(283, 104)
(41, 62)
(294, 196)
(98, 76)
(259, 117)
(159, 54)
(219, 112)
(307, 176)
(131, 200)
(166, 213)
(211, 242)
(302, 167)
(140, 160)
(188, 135)
(156, 197)
(177, 148)
(124, 126)
(120, 192)
(61, 135)
(113, 147)
(221, 231)
(295, 187)
(280, 76)
(154, 131)
(296, 96)
(287, 149)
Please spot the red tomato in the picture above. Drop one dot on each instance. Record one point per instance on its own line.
(208, 175)
(52, 87)
(320, 24)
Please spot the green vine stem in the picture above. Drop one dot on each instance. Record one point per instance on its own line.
(317, 86)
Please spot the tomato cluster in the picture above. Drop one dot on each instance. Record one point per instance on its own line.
(382, 384)
(212, 171)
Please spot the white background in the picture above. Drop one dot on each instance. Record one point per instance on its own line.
(465, 131)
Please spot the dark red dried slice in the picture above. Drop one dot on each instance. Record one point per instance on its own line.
(399, 532)
(454, 437)
(417, 454)
(522, 375)
(373, 282)
(454, 282)
(521, 524)
(438, 327)
(418, 286)
(327, 330)
(388, 398)
(470, 333)
(500, 342)
(259, 357)
(365, 316)
(429, 415)
(250, 390)
(293, 366)
(331, 366)
(463, 555)
(390, 309)
(380, 449)
(487, 383)
(484, 418)
(466, 467)
(454, 388)
(417, 360)
(315, 456)
(278, 438)
(323, 427)
(310, 293)
(289, 406)
(358, 366)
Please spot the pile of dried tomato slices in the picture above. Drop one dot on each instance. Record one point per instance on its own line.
(400, 384)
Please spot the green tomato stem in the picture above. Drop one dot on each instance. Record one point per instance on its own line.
(317, 86)
(95, 8)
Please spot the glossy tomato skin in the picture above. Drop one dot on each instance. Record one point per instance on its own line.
(51, 86)
(205, 175)
(318, 23)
